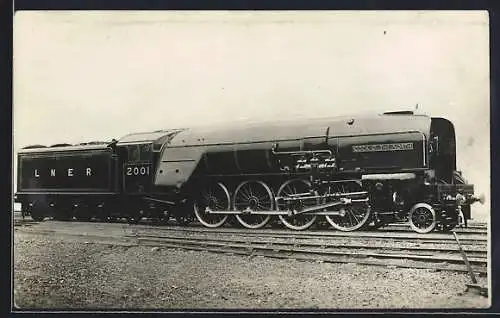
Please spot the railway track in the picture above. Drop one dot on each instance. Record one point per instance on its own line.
(322, 254)
(324, 244)
(430, 238)
(406, 228)
(368, 248)
(479, 229)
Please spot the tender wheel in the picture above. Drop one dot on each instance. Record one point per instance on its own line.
(216, 198)
(254, 196)
(352, 216)
(81, 213)
(37, 215)
(134, 219)
(135, 213)
(111, 219)
(62, 214)
(300, 221)
(422, 218)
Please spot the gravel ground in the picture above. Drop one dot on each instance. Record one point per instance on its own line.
(61, 273)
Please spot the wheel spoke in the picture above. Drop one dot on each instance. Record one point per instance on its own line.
(261, 207)
(422, 218)
(253, 194)
(245, 194)
(216, 197)
(219, 206)
(263, 198)
(296, 222)
(356, 215)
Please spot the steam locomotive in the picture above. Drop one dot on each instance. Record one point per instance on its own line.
(353, 172)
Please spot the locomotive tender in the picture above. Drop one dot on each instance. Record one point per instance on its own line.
(350, 171)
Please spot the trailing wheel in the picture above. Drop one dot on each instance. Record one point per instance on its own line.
(422, 218)
(216, 198)
(300, 221)
(163, 217)
(251, 196)
(184, 219)
(376, 224)
(351, 216)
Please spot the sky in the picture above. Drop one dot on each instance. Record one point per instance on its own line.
(96, 75)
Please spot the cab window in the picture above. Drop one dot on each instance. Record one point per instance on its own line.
(139, 153)
(133, 153)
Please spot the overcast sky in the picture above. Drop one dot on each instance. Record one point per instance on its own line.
(84, 76)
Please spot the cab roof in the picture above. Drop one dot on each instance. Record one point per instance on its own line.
(156, 137)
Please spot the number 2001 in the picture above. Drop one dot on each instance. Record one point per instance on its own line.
(137, 171)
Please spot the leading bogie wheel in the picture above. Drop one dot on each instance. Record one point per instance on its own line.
(215, 197)
(253, 195)
(352, 216)
(422, 218)
(446, 227)
(300, 221)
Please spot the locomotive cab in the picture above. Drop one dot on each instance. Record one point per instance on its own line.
(137, 162)
(442, 149)
(139, 155)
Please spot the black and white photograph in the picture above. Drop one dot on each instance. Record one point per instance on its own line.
(251, 160)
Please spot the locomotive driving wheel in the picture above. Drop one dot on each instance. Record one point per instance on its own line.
(300, 221)
(422, 218)
(352, 216)
(253, 196)
(216, 198)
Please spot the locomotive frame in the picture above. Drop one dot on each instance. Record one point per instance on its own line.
(352, 172)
